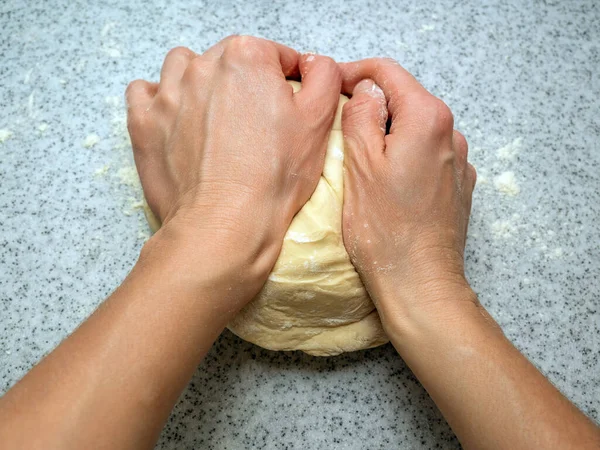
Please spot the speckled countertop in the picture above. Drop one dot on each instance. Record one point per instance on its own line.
(522, 80)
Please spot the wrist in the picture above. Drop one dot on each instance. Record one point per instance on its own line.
(437, 311)
(215, 263)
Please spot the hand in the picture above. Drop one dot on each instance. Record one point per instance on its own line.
(227, 153)
(407, 193)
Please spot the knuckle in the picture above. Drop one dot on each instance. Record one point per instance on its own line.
(386, 61)
(472, 172)
(435, 115)
(179, 52)
(243, 47)
(460, 144)
(169, 99)
(133, 87)
(197, 70)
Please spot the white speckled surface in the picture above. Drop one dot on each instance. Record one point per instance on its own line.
(522, 74)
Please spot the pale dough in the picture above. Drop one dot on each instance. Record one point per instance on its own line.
(314, 300)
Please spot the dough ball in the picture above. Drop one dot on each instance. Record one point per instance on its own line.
(314, 300)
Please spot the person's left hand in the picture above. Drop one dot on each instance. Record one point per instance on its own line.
(227, 153)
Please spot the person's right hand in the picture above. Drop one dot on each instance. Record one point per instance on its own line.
(408, 193)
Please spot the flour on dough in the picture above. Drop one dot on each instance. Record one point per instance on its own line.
(313, 300)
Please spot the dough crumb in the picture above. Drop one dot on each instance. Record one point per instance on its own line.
(43, 127)
(5, 135)
(143, 235)
(129, 177)
(91, 140)
(510, 151)
(507, 184)
(102, 171)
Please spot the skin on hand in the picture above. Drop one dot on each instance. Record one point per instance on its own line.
(408, 193)
(227, 153)
(406, 212)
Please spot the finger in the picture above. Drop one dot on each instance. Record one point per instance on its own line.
(140, 93)
(363, 123)
(471, 174)
(321, 82)
(176, 62)
(461, 149)
(216, 51)
(258, 52)
(471, 180)
(395, 81)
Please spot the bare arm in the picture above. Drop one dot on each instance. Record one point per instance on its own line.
(406, 210)
(214, 145)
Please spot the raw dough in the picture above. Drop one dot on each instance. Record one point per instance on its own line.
(313, 300)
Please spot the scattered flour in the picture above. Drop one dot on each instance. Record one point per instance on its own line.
(5, 135)
(338, 153)
(298, 237)
(507, 184)
(503, 229)
(112, 52)
(27, 76)
(426, 28)
(113, 100)
(510, 151)
(102, 171)
(91, 140)
(129, 177)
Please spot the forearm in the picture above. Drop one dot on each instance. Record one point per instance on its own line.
(114, 381)
(491, 395)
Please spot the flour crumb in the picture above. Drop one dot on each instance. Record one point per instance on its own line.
(507, 184)
(5, 135)
(91, 140)
(31, 104)
(502, 229)
(338, 153)
(143, 236)
(27, 76)
(426, 28)
(102, 171)
(8, 352)
(129, 177)
(136, 204)
(112, 52)
(510, 151)
(42, 127)
(298, 237)
(112, 100)
(106, 29)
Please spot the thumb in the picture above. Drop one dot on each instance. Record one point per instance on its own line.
(363, 123)
(321, 84)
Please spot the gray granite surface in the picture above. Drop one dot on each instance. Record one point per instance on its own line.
(522, 79)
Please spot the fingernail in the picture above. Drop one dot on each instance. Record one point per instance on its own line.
(369, 87)
(363, 86)
(309, 56)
